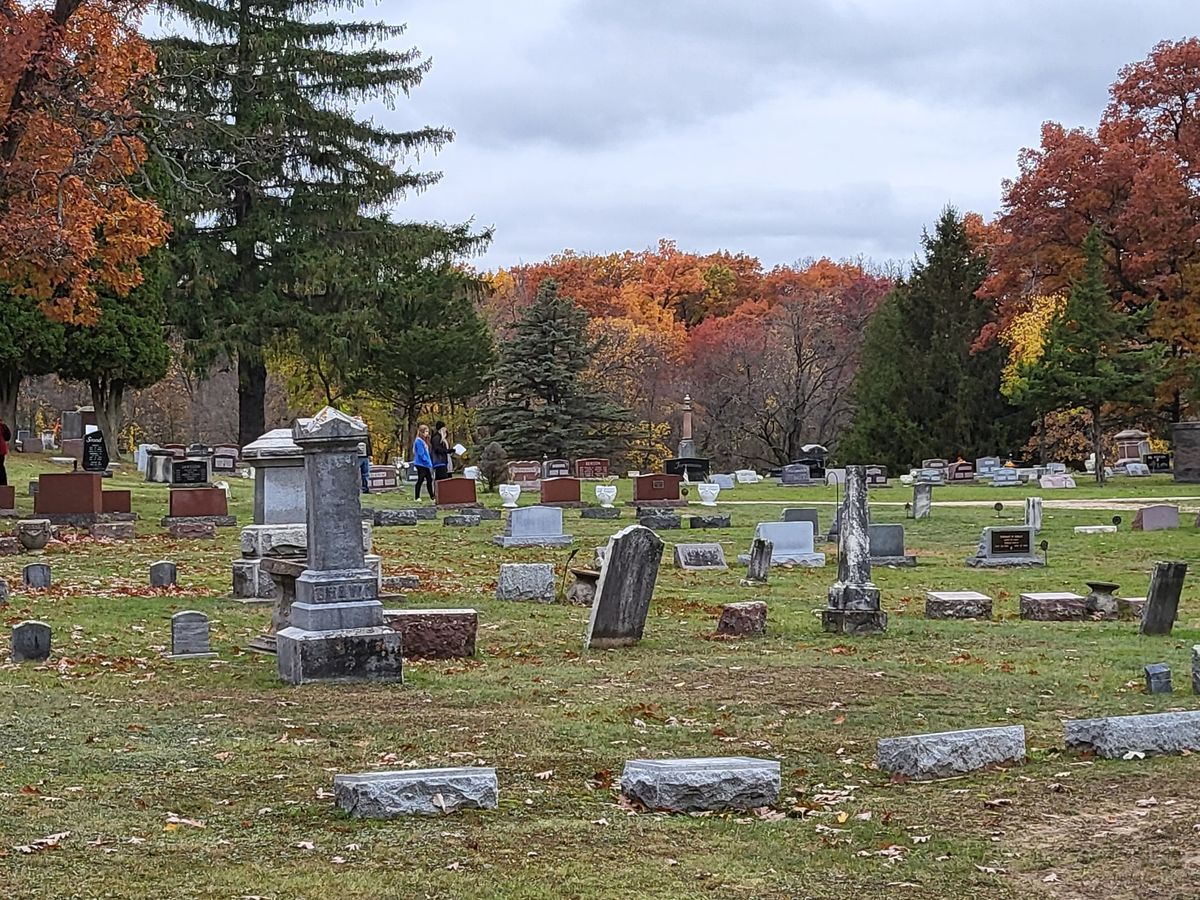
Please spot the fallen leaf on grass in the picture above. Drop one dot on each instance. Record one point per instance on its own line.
(544, 776)
(174, 821)
(45, 843)
(1149, 801)
(1050, 879)
(997, 803)
(305, 845)
(991, 870)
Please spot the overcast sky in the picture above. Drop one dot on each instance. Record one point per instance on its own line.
(783, 128)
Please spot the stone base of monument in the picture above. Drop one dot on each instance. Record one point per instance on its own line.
(111, 531)
(600, 512)
(428, 792)
(908, 561)
(460, 520)
(957, 605)
(660, 504)
(853, 621)
(251, 584)
(349, 654)
(660, 521)
(435, 633)
(85, 520)
(1116, 736)
(194, 531)
(181, 657)
(951, 753)
(1130, 607)
(747, 618)
(701, 785)
(552, 540)
(1053, 606)
(1001, 562)
(526, 581)
(390, 518)
(217, 521)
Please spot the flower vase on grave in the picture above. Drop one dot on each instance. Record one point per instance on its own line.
(509, 493)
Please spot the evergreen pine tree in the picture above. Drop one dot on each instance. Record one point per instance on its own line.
(921, 390)
(1093, 354)
(30, 345)
(544, 407)
(282, 223)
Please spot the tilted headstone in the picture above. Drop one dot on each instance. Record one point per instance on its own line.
(1137, 470)
(189, 635)
(1033, 513)
(854, 599)
(163, 574)
(30, 642)
(699, 557)
(758, 564)
(1162, 600)
(1009, 545)
(1115, 737)
(792, 544)
(922, 501)
(36, 576)
(624, 590)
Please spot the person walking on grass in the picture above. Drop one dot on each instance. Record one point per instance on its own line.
(423, 462)
(440, 451)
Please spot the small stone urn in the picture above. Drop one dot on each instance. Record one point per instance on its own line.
(1100, 600)
(606, 494)
(34, 534)
(708, 493)
(509, 494)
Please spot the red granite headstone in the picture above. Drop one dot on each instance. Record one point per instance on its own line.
(656, 488)
(115, 501)
(456, 492)
(591, 468)
(69, 493)
(8, 497)
(560, 491)
(189, 502)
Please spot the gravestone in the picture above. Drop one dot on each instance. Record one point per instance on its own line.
(1157, 462)
(1052, 606)
(527, 473)
(1005, 477)
(594, 468)
(804, 514)
(558, 491)
(657, 490)
(1056, 468)
(835, 477)
(746, 476)
(534, 526)
(95, 454)
(1116, 737)
(423, 792)
(877, 476)
(1158, 678)
(163, 574)
(1160, 517)
(699, 557)
(4, 593)
(1196, 668)
(930, 476)
(279, 494)
(937, 463)
(556, 468)
(72, 425)
(526, 581)
(225, 458)
(460, 520)
(854, 599)
(960, 472)
(724, 482)
(623, 592)
(748, 617)
(189, 472)
(816, 467)
(792, 544)
(1162, 600)
(1052, 482)
(336, 629)
(1137, 470)
(699, 785)
(36, 576)
(922, 501)
(951, 753)
(704, 522)
(758, 564)
(796, 474)
(987, 465)
(1033, 513)
(1006, 545)
(887, 546)
(189, 636)
(660, 520)
(957, 605)
(30, 642)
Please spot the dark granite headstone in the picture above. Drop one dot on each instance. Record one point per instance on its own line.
(1162, 600)
(30, 642)
(626, 585)
(95, 454)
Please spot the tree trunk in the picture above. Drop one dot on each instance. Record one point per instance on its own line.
(1042, 440)
(10, 390)
(252, 396)
(1098, 444)
(107, 397)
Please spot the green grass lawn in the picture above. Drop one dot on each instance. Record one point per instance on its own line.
(213, 779)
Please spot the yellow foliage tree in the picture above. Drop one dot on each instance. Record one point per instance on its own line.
(1025, 337)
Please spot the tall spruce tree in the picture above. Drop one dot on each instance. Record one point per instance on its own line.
(544, 407)
(30, 345)
(283, 220)
(1093, 355)
(922, 391)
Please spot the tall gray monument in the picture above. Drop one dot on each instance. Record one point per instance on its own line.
(336, 631)
(854, 598)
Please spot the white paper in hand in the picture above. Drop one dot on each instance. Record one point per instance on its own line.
(459, 449)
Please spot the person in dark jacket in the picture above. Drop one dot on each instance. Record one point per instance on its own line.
(423, 462)
(439, 450)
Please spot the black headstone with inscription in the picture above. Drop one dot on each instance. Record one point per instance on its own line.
(1011, 542)
(95, 454)
(1157, 462)
(189, 472)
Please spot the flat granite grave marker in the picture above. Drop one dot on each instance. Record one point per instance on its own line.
(957, 605)
(534, 526)
(189, 635)
(31, 641)
(1159, 517)
(1116, 736)
(1162, 600)
(425, 792)
(1052, 606)
(1007, 545)
(163, 574)
(1137, 470)
(951, 753)
(623, 592)
(660, 520)
(698, 785)
(704, 522)
(792, 544)
(526, 581)
(699, 557)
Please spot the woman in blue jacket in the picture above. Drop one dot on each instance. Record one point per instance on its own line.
(423, 462)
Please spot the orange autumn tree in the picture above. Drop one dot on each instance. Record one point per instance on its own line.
(71, 74)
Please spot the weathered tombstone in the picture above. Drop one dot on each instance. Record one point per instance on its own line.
(1158, 678)
(922, 501)
(30, 642)
(1116, 737)
(936, 463)
(792, 544)
(1033, 513)
(877, 476)
(1162, 600)
(624, 590)
(526, 581)
(1052, 482)
(724, 482)
(1052, 606)
(36, 576)
(189, 635)
(748, 617)
(698, 785)
(460, 520)
(1159, 517)
(1137, 470)
(699, 557)
(279, 494)
(758, 564)
(1196, 668)
(803, 514)
(1008, 545)
(163, 574)
(854, 599)
(526, 473)
(957, 605)
(421, 792)
(716, 521)
(987, 465)
(951, 752)
(887, 546)
(534, 526)
(4, 593)
(72, 425)
(336, 629)
(796, 474)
